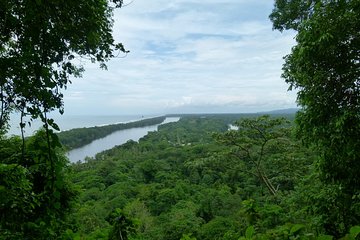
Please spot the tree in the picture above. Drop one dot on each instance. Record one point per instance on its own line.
(180, 220)
(324, 68)
(35, 192)
(252, 142)
(122, 225)
(40, 42)
(40, 45)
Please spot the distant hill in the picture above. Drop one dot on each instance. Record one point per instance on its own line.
(282, 111)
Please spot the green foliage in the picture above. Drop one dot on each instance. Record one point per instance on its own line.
(297, 231)
(187, 237)
(192, 188)
(182, 218)
(290, 14)
(249, 233)
(324, 68)
(40, 45)
(122, 225)
(219, 227)
(36, 192)
(17, 200)
(253, 141)
(178, 183)
(353, 234)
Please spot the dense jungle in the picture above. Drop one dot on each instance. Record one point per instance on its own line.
(207, 176)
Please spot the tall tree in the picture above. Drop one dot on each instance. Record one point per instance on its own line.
(40, 46)
(253, 142)
(40, 42)
(324, 67)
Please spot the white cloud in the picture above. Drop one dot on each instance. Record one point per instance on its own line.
(200, 54)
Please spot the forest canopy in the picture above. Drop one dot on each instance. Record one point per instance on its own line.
(262, 178)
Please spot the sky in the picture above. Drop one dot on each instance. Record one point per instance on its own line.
(188, 56)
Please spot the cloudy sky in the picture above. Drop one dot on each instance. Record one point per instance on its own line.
(188, 56)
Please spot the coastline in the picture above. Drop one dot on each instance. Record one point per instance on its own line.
(68, 122)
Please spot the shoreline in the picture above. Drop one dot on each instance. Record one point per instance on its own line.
(68, 122)
(78, 137)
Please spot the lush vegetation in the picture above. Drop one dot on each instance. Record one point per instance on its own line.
(79, 137)
(193, 179)
(324, 68)
(196, 180)
(41, 43)
(35, 190)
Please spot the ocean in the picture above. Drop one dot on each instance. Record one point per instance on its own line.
(66, 122)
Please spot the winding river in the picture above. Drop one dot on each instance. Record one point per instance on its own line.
(111, 140)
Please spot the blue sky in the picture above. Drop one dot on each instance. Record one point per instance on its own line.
(188, 56)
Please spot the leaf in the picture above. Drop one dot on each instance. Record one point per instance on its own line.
(324, 237)
(249, 233)
(57, 194)
(296, 228)
(53, 124)
(354, 231)
(57, 205)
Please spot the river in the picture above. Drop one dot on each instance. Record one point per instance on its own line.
(111, 140)
(67, 122)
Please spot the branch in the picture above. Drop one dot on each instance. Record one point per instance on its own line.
(52, 168)
(127, 4)
(233, 141)
(22, 125)
(246, 171)
(262, 151)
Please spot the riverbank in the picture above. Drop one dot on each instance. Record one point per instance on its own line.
(79, 137)
(116, 138)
